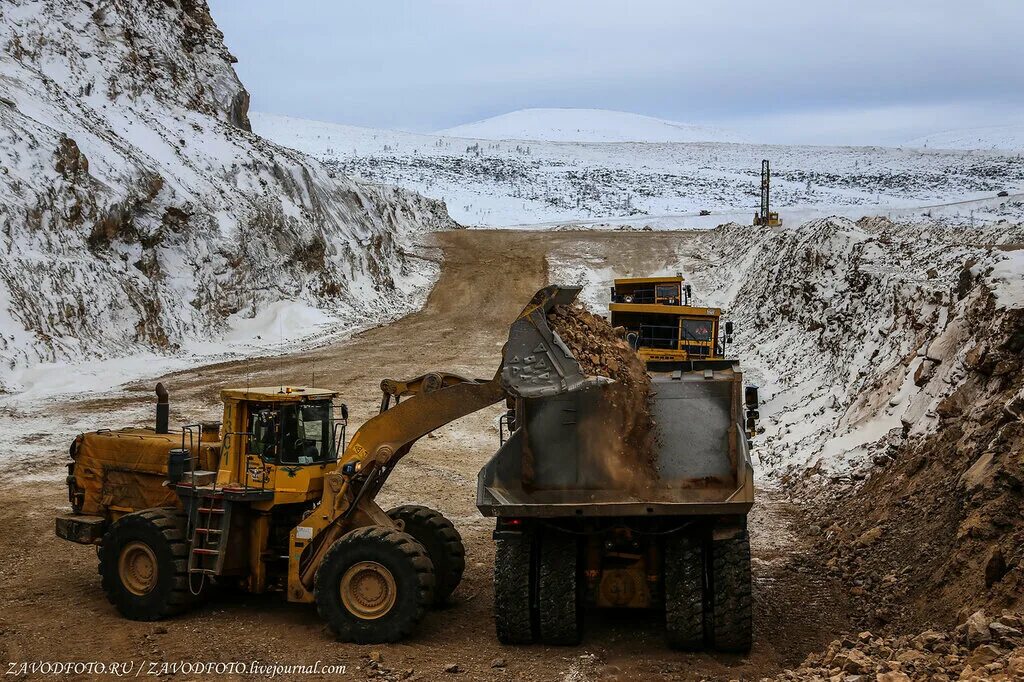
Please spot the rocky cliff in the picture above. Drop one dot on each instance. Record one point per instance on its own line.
(140, 212)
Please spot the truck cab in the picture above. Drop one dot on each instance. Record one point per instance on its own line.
(661, 324)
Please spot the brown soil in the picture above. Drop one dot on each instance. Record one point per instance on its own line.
(626, 434)
(935, 531)
(51, 606)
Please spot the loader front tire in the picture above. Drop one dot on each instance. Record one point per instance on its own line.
(144, 565)
(374, 585)
(442, 542)
(731, 624)
(558, 599)
(513, 578)
(684, 592)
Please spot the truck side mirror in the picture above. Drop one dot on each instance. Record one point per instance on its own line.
(344, 411)
(750, 397)
(728, 327)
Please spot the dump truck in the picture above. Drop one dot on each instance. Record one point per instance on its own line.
(573, 531)
(660, 323)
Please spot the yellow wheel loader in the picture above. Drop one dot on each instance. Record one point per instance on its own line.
(274, 498)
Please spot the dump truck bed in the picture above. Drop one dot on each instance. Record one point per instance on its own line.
(554, 465)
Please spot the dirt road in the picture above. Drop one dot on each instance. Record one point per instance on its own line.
(51, 607)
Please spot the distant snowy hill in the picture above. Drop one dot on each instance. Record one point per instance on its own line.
(1009, 137)
(587, 125)
(503, 183)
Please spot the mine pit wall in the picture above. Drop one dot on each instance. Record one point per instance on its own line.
(894, 404)
(936, 533)
(140, 212)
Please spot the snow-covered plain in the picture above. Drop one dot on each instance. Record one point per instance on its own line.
(587, 125)
(495, 183)
(1006, 137)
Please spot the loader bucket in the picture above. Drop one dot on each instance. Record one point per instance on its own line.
(536, 362)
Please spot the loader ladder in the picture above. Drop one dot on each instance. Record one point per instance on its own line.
(209, 534)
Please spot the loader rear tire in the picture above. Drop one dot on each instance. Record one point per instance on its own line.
(730, 628)
(374, 585)
(513, 578)
(684, 592)
(442, 542)
(558, 599)
(144, 565)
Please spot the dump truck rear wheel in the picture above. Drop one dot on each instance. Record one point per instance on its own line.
(442, 542)
(558, 599)
(374, 585)
(144, 565)
(684, 593)
(731, 624)
(513, 579)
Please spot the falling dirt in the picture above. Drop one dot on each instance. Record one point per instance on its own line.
(625, 435)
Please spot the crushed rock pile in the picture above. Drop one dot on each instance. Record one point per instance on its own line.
(980, 648)
(602, 351)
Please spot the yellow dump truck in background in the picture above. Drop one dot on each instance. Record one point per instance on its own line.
(661, 324)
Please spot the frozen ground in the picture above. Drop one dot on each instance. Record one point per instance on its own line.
(497, 183)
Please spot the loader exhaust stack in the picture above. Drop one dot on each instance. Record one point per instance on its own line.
(163, 410)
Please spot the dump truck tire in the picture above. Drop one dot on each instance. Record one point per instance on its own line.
(684, 593)
(513, 581)
(442, 542)
(144, 565)
(730, 622)
(374, 585)
(558, 599)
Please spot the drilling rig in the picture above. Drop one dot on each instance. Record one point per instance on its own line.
(766, 216)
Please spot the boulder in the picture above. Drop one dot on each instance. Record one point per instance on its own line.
(983, 655)
(978, 631)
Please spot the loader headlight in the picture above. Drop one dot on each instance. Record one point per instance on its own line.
(627, 299)
(349, 468)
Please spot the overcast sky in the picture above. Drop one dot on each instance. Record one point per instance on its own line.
(866, 72)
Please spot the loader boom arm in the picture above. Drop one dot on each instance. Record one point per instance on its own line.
(535, 362)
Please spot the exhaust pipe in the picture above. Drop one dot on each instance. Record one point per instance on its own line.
(163, 410)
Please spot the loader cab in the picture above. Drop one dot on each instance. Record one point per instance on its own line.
(281, 440)
(661, 324)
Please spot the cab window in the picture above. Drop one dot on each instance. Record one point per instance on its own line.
(292, 433)
(698, 330)
(667, 293)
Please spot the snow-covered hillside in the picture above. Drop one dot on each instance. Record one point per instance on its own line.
(1008, 137)
(500, 183)
(140, 212)
(587, 125)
